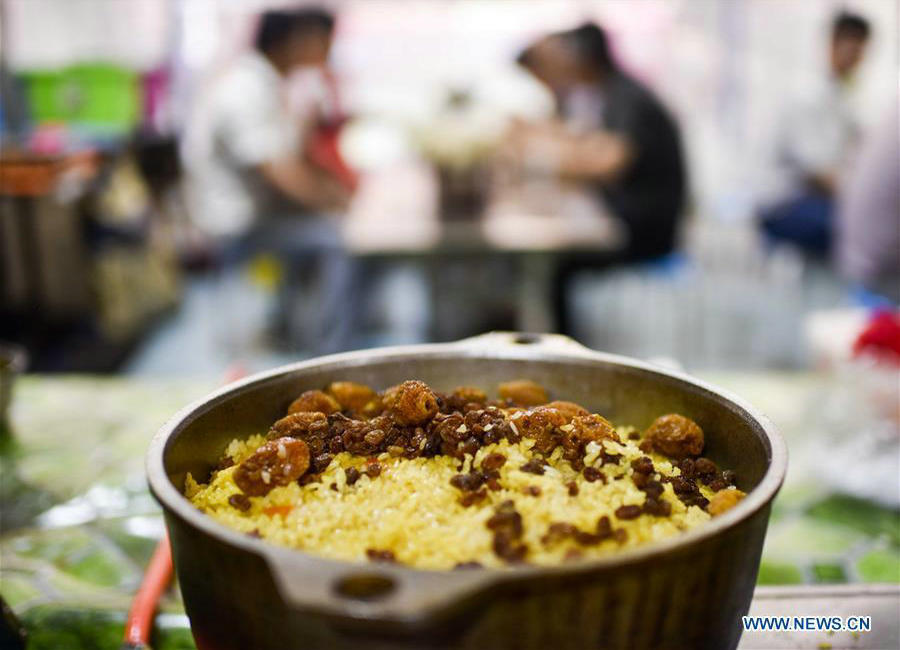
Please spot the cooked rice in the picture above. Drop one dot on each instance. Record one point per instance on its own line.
(412, 510)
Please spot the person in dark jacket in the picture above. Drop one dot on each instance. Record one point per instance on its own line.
(616, 136)
(620, 136)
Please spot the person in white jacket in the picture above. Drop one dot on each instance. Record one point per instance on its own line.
(816, 135)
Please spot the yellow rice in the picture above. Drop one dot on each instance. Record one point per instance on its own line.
(412, 510)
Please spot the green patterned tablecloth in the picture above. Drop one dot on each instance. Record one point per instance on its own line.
(78, 524)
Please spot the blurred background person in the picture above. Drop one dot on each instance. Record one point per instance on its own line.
(868, 234)
(254, 185)
(617, 137)
(814, 141)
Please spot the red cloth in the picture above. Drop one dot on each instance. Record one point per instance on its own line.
(881, 337)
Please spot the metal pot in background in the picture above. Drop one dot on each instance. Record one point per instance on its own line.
(685, 592)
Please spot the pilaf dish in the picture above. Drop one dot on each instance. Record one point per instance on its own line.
(458, 480)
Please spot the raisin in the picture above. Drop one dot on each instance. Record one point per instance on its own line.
(604, 527)
(493, 461)
(239, 501)
(572, 487)
(471, 498)
(534, 466)
(321, 462)
(463, 566)
(628, 512)
(587, 539)
(640, 480)
(558, 531)
(379, 555)
(657, 507)
(373, 470)
(705, 469)
(467, 482)
(592, 474)
(642, 465)
(352, 475)
(653, 489)
(533, 490)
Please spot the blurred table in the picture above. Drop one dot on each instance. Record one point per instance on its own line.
(394, 216)
(79, 524)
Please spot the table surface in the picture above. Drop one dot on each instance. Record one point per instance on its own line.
(538, 216)
(79, 524)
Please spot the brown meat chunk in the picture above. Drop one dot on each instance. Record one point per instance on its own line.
(314, 401)
(541, 424)
(675, 436)
(724, 501)
(568, 409)
(412, 402)
(352, 396)
(278, 462)
(593, 428)
(311, 428)
(299, 425)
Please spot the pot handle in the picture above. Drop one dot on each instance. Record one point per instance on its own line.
(382, 591)
(537, 340)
